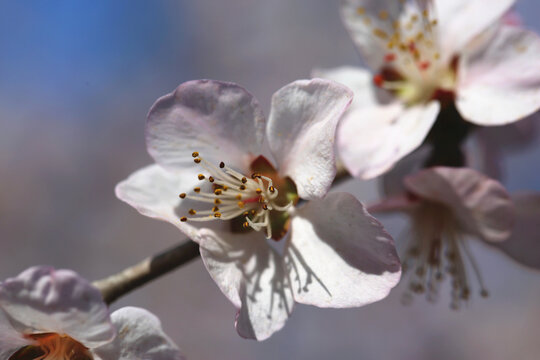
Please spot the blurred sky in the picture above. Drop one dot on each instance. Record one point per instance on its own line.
(77, 78)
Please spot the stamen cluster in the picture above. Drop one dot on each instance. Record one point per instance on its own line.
(436, 250)
(51, 346)
(234, 195)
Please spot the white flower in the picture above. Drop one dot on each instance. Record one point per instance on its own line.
(48, 314)
(427, 55)
(447, 206)
(207, 139)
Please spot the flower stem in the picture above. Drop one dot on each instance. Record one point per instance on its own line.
(115, 286)
(120, 284)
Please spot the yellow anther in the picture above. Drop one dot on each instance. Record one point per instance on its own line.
(258, 191)
(201, 177)
(183, 219)
(272, 189)
(197, 189)
(195, 154)
(242, 187)
(380, 33)
(215, 209)
(240, 204)
(218, 192)
(211, 179)
(222, 165)
(217, 201)
(192, 212)
(244, 180)
(265, 207)
(245, 225)
(182, 195)
(197, 160)
(217, 214)
(239, 197)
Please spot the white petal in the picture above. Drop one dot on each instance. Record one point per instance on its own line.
(340, 256)
(10, 339)
(41, 299)
(140, 336)
(460, 21)
(252, 275)
(372, 48)
(360, 81)
(480, 204)
(153, 191)
(500, 83)
(301, 131)
(524, 243)
(222, 121)
(372, 139)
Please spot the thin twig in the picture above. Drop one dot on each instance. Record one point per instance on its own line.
(118, 285)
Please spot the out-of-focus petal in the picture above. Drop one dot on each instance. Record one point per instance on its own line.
(221, 121)
(524, 243)
(153, 191)
(500, 83)
(372, 139)
(460, 21)
(140, 336)
(10, 339)
(252, 275)
(360, 17)
(42, 299)
(301, 131)
(339, 255)
(481, 205)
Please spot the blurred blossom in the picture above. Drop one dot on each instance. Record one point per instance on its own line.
(446, 206)
(426, 55)
(337, 255)
(55, 314)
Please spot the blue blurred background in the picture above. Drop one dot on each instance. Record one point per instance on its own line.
(76, 81)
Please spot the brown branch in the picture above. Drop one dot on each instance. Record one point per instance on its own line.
(118, 285)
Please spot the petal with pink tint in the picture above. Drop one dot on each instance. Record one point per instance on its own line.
(481, 205)
(460, 21)
(339, 255)
(372, 139)
(153, 191)
(140, 336)
(524, 243)
(301, 131)
(42, 299)
(252, 275)
(360, 17)
(10, 339)
(500, 83)
(221, 121)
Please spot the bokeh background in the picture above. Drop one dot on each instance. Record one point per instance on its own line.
(76, 81)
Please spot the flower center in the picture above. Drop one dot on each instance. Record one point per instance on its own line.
(255, 199)
(437, 249)
(413, 69)
(52, 346)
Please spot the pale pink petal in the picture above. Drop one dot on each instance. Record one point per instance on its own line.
(252, 275)
(460, 21)
(360, 81)
(481, 205)
(222, 121)
(339, 255)
(10, 339)
(372, 139)
(360, 17)
(42, 299)
(524, 243)
(153, 191)
(140, 336)
(301, 131)
(500, 83)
